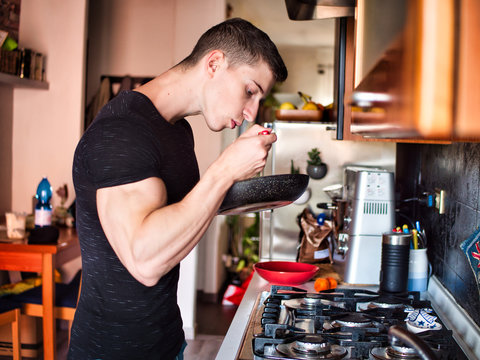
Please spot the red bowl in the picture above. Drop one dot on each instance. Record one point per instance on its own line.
(285, 272)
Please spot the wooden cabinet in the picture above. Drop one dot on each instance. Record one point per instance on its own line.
(424, 85)
(466, 123)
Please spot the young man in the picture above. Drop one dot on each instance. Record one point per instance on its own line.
(141, 207)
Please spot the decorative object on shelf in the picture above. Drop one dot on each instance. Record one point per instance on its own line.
(61, 215)
(316, 168)
(293, 169)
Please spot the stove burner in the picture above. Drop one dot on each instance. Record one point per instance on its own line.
(352, 320)
(305, 303)
(385, 304)
(394, 352)
(312, 301)
(312, 347)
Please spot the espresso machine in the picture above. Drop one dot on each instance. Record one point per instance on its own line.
(365, 210)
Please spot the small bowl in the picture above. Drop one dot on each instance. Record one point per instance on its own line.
(307, 194)
(285, 272)
(420, 320)
(415, 328)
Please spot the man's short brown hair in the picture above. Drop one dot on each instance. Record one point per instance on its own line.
(242, 43)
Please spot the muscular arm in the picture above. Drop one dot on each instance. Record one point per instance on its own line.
(148, 236)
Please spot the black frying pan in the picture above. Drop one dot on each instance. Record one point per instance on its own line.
(263, 193)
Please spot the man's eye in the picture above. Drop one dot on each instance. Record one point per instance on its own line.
(249, 92)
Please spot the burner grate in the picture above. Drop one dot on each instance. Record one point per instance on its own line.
(353, 319)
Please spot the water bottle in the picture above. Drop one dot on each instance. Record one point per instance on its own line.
(43, 209)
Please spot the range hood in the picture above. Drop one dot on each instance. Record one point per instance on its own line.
(319, 9)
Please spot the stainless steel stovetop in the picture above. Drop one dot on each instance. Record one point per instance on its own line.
(290, 323)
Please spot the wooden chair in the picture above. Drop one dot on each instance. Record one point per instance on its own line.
(66, 297)
(10, 313)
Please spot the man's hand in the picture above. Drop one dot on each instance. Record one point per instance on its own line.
(247, 155)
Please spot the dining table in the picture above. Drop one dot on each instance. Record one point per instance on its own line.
(19, 255)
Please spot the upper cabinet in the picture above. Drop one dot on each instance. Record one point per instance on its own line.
(412, 72)
(466, 122)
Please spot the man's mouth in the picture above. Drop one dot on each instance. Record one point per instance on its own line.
(234, 123)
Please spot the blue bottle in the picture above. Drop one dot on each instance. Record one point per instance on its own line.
(43, 209)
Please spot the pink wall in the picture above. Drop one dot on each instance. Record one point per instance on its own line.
(47, 123)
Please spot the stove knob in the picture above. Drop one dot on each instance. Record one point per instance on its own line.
(265, 321)
(271, 309)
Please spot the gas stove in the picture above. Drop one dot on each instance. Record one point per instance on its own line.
(291, 323)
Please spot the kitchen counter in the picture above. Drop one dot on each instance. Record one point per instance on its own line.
(233, 339)
(465, 331)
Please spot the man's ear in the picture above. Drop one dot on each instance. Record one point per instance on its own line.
(214, 60)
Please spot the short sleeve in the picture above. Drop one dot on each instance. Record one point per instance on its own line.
(119, 151)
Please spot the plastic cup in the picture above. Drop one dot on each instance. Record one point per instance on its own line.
(15, 225)
(418, 270)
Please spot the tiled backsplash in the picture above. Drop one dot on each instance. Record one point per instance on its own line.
(454, 168)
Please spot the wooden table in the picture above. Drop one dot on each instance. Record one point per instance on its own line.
(44, 259)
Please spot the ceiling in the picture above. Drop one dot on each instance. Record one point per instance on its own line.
(271, 16)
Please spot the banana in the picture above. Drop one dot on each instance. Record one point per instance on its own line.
(308, 103)
(306, 98)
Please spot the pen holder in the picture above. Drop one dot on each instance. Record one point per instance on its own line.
(418, 270)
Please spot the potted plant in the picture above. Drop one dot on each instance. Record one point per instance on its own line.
(316, 169)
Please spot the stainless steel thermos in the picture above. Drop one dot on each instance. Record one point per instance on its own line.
(394, 264)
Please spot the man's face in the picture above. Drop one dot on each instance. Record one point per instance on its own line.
(234, 95)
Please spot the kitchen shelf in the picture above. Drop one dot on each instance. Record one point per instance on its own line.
(17, 82)
(299, 115)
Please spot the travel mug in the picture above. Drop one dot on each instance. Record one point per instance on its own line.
(394, 265)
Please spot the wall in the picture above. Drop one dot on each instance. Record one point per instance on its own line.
(6, 115)
(46, 124)
(303, 64)
(146, 38)
(456, 169)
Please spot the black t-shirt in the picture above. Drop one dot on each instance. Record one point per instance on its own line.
(117, 317)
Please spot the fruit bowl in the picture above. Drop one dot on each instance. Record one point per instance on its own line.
(285, 272)
(299, 115)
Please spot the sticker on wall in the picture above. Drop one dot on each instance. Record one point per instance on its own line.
(471, 248)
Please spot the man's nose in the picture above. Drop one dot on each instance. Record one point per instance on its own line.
(251, 111)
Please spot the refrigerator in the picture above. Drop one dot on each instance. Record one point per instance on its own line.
(279, 231)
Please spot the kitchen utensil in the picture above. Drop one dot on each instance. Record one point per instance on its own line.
(394, 268)
(263, 193)
(285, 272)
(397, 334)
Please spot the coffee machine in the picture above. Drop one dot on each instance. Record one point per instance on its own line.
(365, 211)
